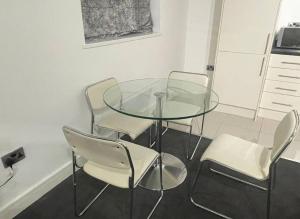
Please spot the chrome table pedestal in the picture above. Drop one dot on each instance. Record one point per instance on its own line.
(173, 173)
(172, 168)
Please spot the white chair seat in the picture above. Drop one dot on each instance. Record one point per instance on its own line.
(239, 155)
(142, 159)
(175, 108)
(124, 124)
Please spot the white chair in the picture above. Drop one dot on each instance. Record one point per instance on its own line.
(201, 79)
(248, 158)
(103, 117)
(121, 164)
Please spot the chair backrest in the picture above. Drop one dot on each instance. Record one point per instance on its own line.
(178, 90)
(94, 93)
(198, 78)
(101, 151)
(285, 134)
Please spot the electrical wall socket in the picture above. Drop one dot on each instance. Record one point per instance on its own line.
(13, 157)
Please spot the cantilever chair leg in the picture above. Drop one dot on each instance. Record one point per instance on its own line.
(155, 136)
(199, 140)
(270, 181)
(268, 190)
(188, 144)
(166, 129)
(131, 188)
(75, 183)
(152, 210)
(92, 123)
(156, 204)
(150, 137)
(151, 144)
(238, 179)
(199, 205)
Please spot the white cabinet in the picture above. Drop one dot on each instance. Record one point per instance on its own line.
(285, 61)
(282, 86)
(238, 80)
(247, 25)
(279, 102)
(246, 34)
(282, 74)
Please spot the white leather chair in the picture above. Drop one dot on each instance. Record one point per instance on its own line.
(103, 117)
(118, 163)
(248, 158)
(201, 79)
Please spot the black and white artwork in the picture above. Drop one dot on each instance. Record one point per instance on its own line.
(109, 19)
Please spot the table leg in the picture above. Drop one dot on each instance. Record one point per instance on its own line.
(172, 168)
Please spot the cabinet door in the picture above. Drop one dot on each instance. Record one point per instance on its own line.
(238, 79)
(247, 25)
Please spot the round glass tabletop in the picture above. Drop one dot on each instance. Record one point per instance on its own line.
(161, 99)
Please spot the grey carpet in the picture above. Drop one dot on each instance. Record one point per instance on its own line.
(232, 198)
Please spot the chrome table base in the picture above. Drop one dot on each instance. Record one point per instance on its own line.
(171, 170)
(173, 174)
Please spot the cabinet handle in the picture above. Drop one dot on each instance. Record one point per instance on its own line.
(286, 76)
(280, 88)
(262, 67)
(282, 104)
(290, 63)
(267, 43)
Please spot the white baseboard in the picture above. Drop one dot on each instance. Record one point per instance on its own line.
(271, 114)
(32, 194)
(236, 111)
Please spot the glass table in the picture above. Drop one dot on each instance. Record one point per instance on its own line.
(161, 100)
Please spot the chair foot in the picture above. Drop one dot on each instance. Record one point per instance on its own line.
(208, 209)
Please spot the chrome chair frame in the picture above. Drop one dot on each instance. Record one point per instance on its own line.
(91, 108)
(270, 181)
(79, 213)
(93, 115)
(188, 145)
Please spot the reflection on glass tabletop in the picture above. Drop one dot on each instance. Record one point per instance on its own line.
(166, 99)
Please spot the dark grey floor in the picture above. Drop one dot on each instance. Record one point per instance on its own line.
(234, 199)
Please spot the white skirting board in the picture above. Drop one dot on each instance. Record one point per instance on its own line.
(31, 195)
(271, 114)
(236, 111)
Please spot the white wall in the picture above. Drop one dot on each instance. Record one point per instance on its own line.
(289, 12)
(44, 69)
(199, 26)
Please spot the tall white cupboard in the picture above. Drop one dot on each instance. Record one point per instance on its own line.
(245, 40)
